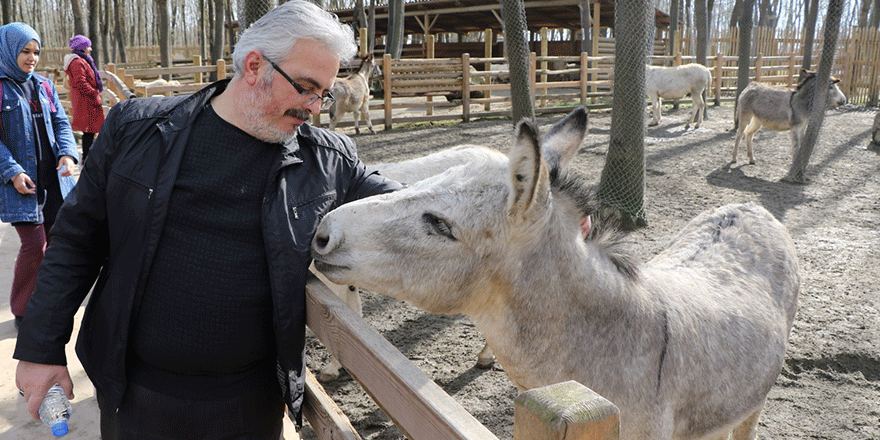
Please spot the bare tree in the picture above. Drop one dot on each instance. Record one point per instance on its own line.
(811, 12)
(94, 25)
(396, 30)
(217, 32)
(119, 35)
(622, 183)
(736, 13)
(8, 7)
(513, 13)
(766, 15)
(797, 172)
(701, 22)
(745, 49)
(163, 24)
(586, 27)
(863, 13)
(674, 14)
(874, 19)
(79, 27)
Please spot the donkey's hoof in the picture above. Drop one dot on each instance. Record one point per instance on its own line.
(652, 124)
(326, 375)
(751, 161)
(485, 363)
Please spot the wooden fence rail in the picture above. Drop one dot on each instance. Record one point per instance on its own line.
(418, 406)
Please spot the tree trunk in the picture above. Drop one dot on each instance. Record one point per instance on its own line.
(7, 11)
(515, 30)
(218, 26)
(701, 22)
(163, 22)
(863, 13)
(94, 28)
(622, 184)
(586, 27)
(874, 20)
(812, 13)
(394, 39)
(674, 7)
(118, 13)
(736, 13)
(745, 51)
(797, 172)
(79, 27)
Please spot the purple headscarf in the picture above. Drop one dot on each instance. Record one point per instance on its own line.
(78, 45)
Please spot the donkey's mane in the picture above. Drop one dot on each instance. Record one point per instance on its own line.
(606, 233)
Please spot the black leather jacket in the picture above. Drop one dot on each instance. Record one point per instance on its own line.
(110, 225)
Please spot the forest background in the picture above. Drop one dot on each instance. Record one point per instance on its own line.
(213, 25)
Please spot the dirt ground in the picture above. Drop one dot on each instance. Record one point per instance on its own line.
(830, 385)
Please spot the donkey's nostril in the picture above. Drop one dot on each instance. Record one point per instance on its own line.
(321, 241)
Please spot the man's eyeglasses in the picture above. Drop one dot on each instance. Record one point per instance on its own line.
(326, 100)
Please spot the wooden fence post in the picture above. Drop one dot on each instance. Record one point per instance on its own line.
(386, 86)
(466, 87)
(197, 61)
(545, 51)
(584, 78)
(430, 52)
(487, 53)
(719, 74)
(565, 411)
(221, 69)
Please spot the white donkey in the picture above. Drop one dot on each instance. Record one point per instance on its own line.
(411, 171)
(352, 95)
(687, 345)
(777, 108)
(674, 83)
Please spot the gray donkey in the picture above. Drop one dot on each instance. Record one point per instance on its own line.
(686, 345)
(779, 109)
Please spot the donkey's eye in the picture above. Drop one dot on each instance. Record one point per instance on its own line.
(437, 225)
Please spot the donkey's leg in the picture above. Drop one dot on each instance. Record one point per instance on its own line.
(486, 357)
(744, 120)
(797, 135)
(365, 113)
(699, 104)
(750, 131)
(748, 429)
(656, 102)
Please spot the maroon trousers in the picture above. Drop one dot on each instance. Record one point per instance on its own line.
(34, 239)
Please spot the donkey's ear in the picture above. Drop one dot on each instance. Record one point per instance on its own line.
(565, 139)
(529, 178)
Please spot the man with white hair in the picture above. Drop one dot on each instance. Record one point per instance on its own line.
(193, 221)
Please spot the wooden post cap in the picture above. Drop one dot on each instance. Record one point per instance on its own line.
(565, 411)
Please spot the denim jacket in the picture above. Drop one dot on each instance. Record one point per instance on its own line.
(18, 151)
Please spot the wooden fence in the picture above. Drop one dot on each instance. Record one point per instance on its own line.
(418, 406)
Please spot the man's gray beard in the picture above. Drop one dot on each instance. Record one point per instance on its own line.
(254, 105)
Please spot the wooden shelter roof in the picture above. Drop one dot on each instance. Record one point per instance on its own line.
(463, 16)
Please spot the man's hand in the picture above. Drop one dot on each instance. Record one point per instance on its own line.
(23, 184)
(34, 380)
(66, 161)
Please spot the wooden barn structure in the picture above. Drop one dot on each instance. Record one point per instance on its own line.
(463, 17)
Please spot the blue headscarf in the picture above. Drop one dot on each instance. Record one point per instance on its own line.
(13, 38)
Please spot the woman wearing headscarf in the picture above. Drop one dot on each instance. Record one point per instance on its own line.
(37, 155)
(85, 91)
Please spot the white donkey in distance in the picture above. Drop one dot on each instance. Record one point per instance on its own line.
(686, 345)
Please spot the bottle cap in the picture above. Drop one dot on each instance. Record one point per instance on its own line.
(59, 428)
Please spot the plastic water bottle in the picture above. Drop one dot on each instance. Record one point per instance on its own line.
(55, 410)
